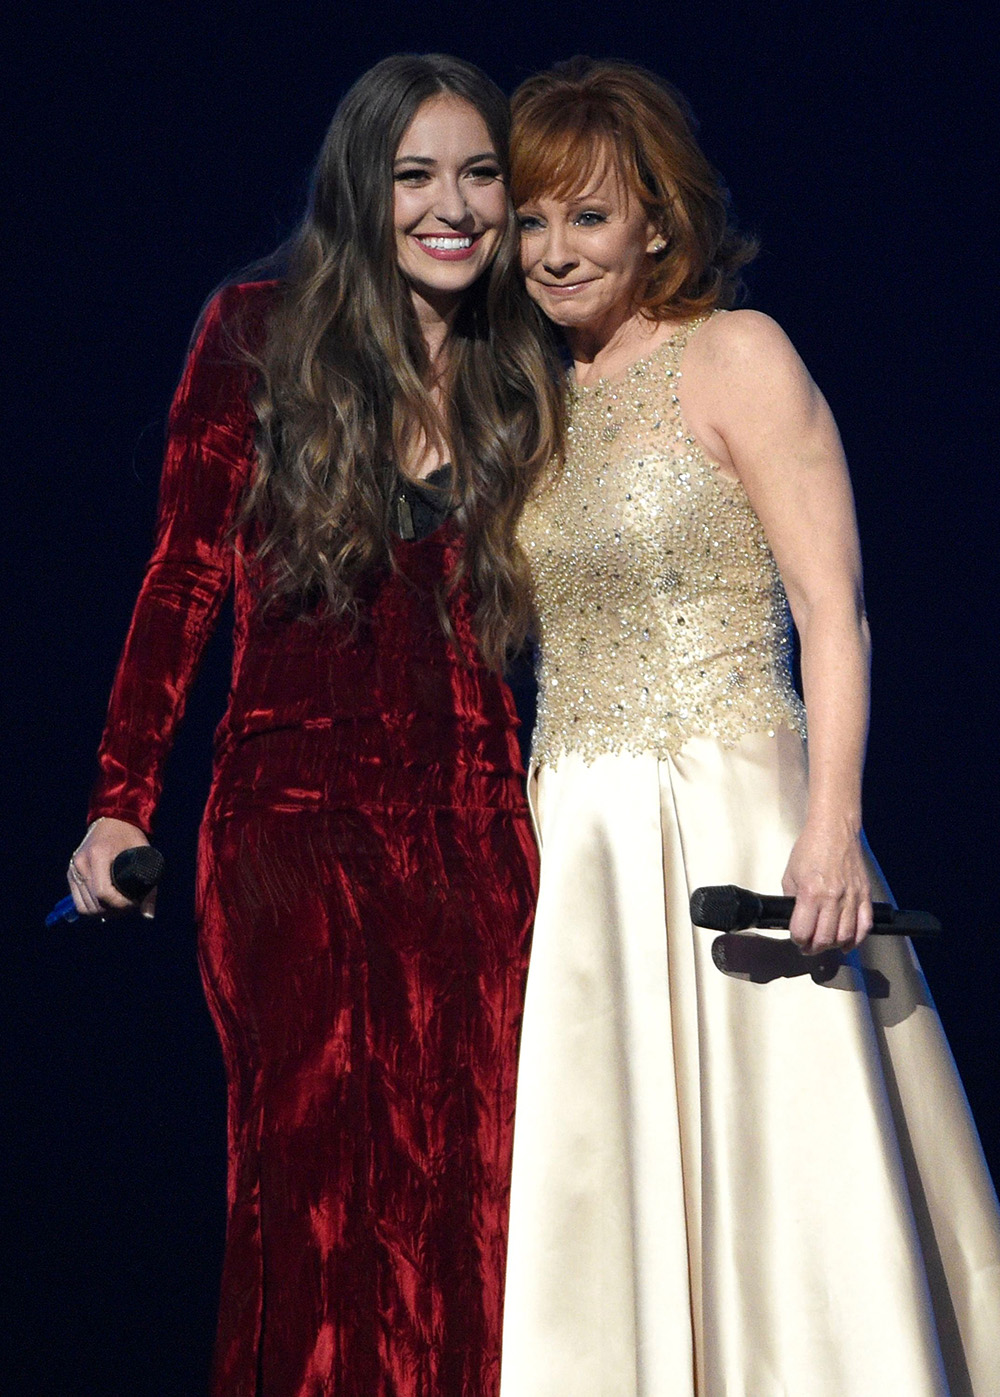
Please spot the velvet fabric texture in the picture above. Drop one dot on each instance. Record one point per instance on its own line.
(366, 885)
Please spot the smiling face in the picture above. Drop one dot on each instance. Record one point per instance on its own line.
(449, 202)
(586, 256)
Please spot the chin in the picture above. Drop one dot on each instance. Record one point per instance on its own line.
(566, 315)
(455, 285)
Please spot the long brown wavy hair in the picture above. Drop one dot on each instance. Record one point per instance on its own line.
(582, 117)
(344, 376)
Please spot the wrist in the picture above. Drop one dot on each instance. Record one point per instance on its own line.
(845, 819)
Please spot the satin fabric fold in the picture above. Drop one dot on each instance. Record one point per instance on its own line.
(761, 1181)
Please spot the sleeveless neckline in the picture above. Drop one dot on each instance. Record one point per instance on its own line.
(607, 383)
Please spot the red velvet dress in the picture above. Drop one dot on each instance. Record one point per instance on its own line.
(366, 887)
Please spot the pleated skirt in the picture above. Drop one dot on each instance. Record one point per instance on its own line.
(759, 1180)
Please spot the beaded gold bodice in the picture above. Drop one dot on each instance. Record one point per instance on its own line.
(661, 613)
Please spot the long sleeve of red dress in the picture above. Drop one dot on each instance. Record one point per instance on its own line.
(205, 472)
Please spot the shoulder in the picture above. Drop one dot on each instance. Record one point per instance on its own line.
(247, 298)
(224, 349)
(238, 314)
(736, 338)
(744, 352)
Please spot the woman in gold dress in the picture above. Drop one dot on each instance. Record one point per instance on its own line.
(757, 1177)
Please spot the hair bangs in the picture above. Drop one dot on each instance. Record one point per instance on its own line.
(570, 153)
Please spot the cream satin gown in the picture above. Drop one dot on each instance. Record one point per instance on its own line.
(759, 1180)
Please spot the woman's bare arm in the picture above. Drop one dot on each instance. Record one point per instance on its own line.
(751, 402)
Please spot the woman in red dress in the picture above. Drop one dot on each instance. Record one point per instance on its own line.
(349, 447)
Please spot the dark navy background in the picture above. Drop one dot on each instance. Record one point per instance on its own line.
(157, 147)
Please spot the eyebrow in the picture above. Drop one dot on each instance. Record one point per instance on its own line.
(429, 160)
(589, 196)
(580, 202)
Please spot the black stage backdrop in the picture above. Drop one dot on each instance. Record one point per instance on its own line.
(158, 147)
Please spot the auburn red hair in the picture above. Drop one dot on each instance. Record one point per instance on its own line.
(575, 121)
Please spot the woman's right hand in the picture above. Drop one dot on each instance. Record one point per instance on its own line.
(89, 872)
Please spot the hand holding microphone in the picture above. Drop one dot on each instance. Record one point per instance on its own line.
(729, 908)
(113, 870)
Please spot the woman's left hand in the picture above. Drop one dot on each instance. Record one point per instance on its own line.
(826, 875)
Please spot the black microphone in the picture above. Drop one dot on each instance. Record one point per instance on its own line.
(134, 872)
(729, 908)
